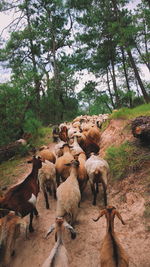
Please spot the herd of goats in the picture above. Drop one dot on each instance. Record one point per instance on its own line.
(64, 173)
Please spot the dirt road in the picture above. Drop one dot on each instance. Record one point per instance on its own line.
(84, 250)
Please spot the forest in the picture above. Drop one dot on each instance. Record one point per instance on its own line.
(52, 43)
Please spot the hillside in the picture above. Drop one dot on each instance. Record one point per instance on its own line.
(129, 194)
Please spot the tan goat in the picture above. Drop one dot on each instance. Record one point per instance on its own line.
(9, 232)
(62, 170)
(58, 256)
(112, 253)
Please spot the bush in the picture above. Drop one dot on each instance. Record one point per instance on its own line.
(127, 113)
(124, 159)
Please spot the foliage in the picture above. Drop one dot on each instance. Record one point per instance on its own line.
(9, 171)
(31, 125)
(125, 159)
(44, 137)
(50, 40)
(126, 113)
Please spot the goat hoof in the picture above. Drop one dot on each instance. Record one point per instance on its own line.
(31, 230)
(13, 253)
(73, 235)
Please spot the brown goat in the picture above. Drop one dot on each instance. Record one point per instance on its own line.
(87, 144)
(63, 134)
(62, 170)
(46, 154)
(9, 232)
(112, 253)
(22, 197)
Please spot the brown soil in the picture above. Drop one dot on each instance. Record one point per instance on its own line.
(127, 196)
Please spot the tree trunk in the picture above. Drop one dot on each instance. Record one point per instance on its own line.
(109, 90)
(113, 76)
(10, 150)
(126, 75)
(141, 128)
(37, 82)
(145, 95)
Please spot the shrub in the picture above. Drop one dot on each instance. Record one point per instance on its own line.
(127, 113)
(124, 159)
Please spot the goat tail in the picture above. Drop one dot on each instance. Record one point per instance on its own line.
(97, 172)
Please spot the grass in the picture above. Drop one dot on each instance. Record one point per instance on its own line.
(127, 113)
(105, 125)
(11, 169)
(44, 137)
(125, 159)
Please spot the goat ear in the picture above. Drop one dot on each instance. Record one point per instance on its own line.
(71, 229)
(102, 212)
(30, 161)
(50, 230)
(119, 217)
(68, 164)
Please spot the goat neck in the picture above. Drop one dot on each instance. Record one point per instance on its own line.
(110, 221)
(75, 140)
(59, 231)
(74, 171)
(35, 169)
(66, 149)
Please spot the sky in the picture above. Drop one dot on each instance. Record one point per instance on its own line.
(5, 20)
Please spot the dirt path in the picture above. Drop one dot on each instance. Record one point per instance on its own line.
(84, 250)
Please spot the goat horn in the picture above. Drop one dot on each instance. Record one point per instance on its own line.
(102, 212)
(50, 231)
(119, 217)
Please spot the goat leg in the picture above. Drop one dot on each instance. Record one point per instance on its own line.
(31, 229)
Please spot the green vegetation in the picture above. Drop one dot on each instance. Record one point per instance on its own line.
(44, 137)
(11, 170)
(47, 65)
(105, 125)
(124, 159)
(127, 113)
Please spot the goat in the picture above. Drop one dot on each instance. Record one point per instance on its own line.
(82, 172)
(58, 256)
(87, 144)
(63, 134)
(47, 180)
(9, 232)
(59, 148)
(68, 194)
(98, 172)
(46, 154)
(63, 170)
(112, 253)
(22, 197)
(75, 147)
(55, 133)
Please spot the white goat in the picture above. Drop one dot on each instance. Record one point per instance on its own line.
(98, 172)
(75, 147)
(58, 256)
(47, 180)
(59, 148)
(112, 253)
(68, 194)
